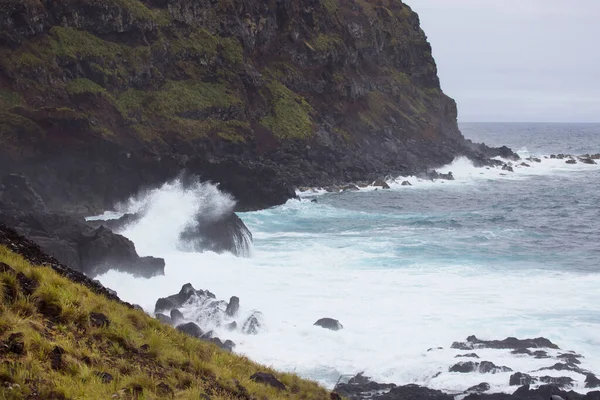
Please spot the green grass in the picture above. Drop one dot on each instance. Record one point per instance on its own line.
(290, 117)
(81, 86)
(189, 367)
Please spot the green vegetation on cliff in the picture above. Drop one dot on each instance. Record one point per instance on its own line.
(290, 116)
(56, 344)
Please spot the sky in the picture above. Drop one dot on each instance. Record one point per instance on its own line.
(517, 60)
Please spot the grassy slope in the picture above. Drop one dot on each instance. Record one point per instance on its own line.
(142, 355)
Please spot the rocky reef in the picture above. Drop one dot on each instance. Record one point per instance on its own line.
(101, 99)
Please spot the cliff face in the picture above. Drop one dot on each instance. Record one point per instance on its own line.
(99, 98)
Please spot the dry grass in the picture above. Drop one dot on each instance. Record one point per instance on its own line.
(142, 355)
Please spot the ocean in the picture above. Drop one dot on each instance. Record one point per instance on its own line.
(407, 271)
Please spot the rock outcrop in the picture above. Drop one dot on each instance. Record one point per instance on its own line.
(99, 99)
(68, 238)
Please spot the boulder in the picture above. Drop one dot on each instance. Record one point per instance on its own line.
(587, 160)
(253, 323)
(482, 387)
(164, 319)
(520, 379)
(380, 183)
(268, 379)
(329, 323)
(524, 164)
(99, 320)
(191, 329)
(508, 168)
(226, 233)
(177, 300)
(233, 306)
(406, 183)
(571, 161)
(176, 315)
(591, 381)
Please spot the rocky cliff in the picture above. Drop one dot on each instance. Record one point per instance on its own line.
(101, 98)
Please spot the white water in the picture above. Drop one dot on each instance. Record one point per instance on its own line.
(390, 316)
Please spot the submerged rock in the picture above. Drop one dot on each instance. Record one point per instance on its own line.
(329, 323)
(482, 387)
(483, 367)
(520, 379)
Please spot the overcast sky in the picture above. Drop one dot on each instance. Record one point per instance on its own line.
(517, 60)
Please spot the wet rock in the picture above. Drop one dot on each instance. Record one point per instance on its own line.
(414, 392)
(483, 367)
(232, 326)
(176, 316)
(329, 323)
(482, 387)
(99, 320)
(562, 367)
(177, 300)
(508, 168)
(591, 381)
(570, 358)
(350, 188)
(228, 345)
(534, 159)
(540, 354)
(190, 329)
(253, 323)
(562, 382)
(314, 201)
(233, 306)
(268, 379)
(16, 194)
(524, 164)
(587, 161)
(406, 183)
(571, 161)
(380, 183)
(164, 319)
(520, 379)
(473, 342)
(225, 233)
(468, 355)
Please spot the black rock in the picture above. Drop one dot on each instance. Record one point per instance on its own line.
(571, 161)
(56, 361)
(562, 381)
(233, 306)
(587, 160)
(508, 168)
(15, 343)
(177, 300)
(99, 320)
(253, 323)
(176, 315)
(414, 392)
(520, 379)
(406, 183)
(468, 355)
(508, 343)
(329, 323)
(16, 194)
(562, 367)
(591, 381)
(484, 367)
(231, 326)
(191, 329)
(380, 183)
(226, 233)
(482, 387)
(268, 379)
(164, 319)
(464, 367)
(570, 358)
(105, 377)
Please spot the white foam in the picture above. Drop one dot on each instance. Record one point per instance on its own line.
(391, 316)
